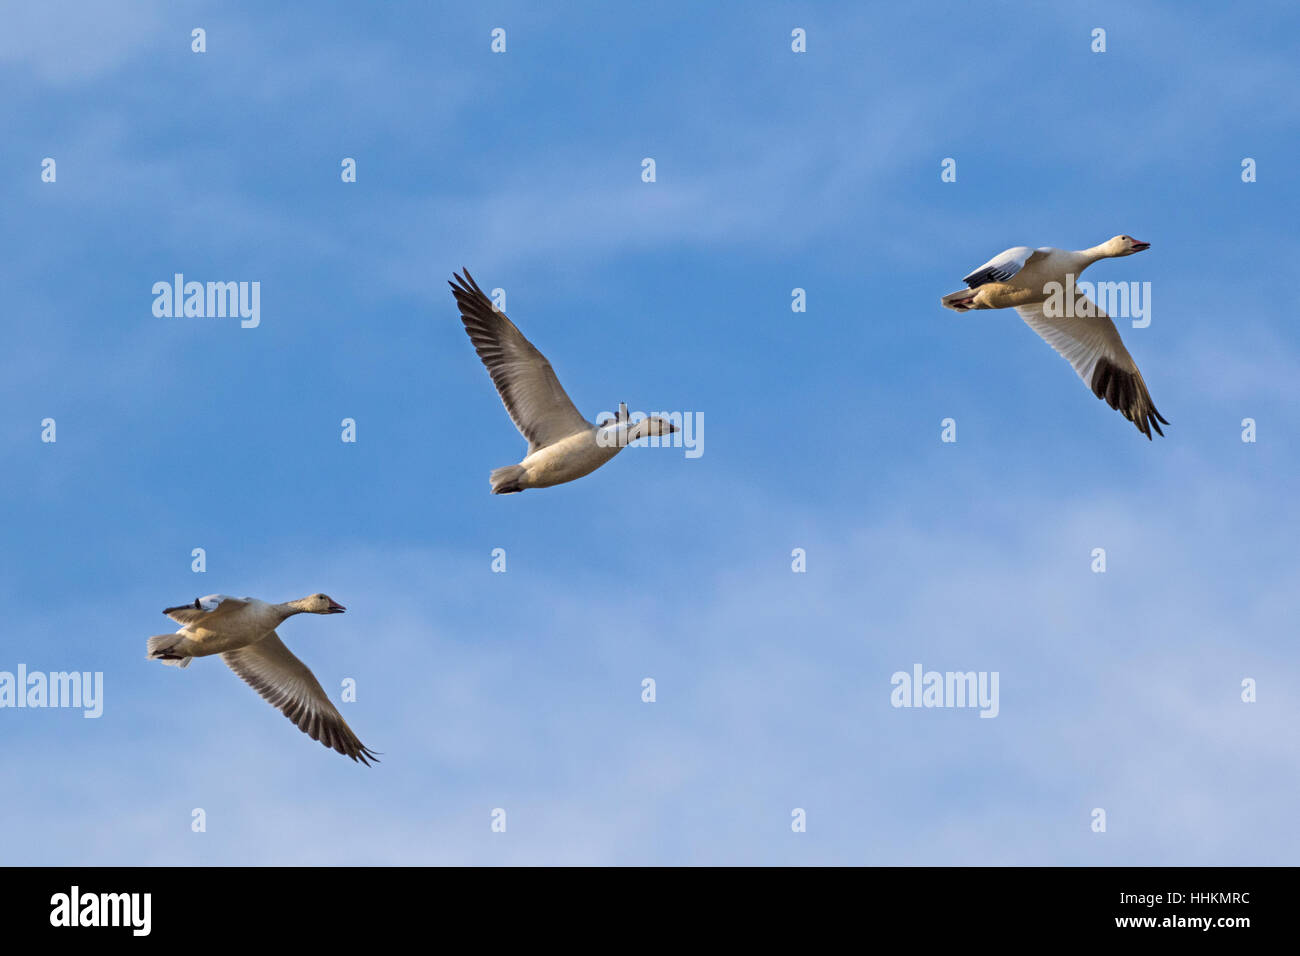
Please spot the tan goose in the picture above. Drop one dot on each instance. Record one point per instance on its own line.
(562, 445)
(1022, 278)
(242, 631)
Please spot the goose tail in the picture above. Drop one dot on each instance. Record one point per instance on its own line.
(506, 481)
(959, 301)
(163, 648)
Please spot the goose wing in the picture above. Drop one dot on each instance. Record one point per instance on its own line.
(1002, 266)
(204, 610)
(273, 671)
(531, 393)
(1091, 344)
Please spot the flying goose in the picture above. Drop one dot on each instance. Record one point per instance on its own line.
(562, 445)
(242, 631)
(1021, 278)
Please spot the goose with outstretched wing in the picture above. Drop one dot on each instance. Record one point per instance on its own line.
(562, 444)
(1028, 279)
(242, 631)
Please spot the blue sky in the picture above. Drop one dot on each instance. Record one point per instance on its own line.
(775, 170)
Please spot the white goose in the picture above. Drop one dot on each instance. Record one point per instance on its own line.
(1021, 278)
(562, 445)
(242, 631)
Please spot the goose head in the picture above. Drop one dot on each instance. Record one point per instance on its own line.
(1124, 246)
(317, 604)
(650, 426)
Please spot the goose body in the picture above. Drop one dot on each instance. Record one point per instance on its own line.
(219, 623)
(562, 444)
(1025, 279)
(567, 459)
(242, 631)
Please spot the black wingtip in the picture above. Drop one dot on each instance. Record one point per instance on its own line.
(465, 283)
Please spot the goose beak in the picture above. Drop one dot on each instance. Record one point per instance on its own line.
(1140, 246)
(335, 608)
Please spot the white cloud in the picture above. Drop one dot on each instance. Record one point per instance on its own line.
(67, 43)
